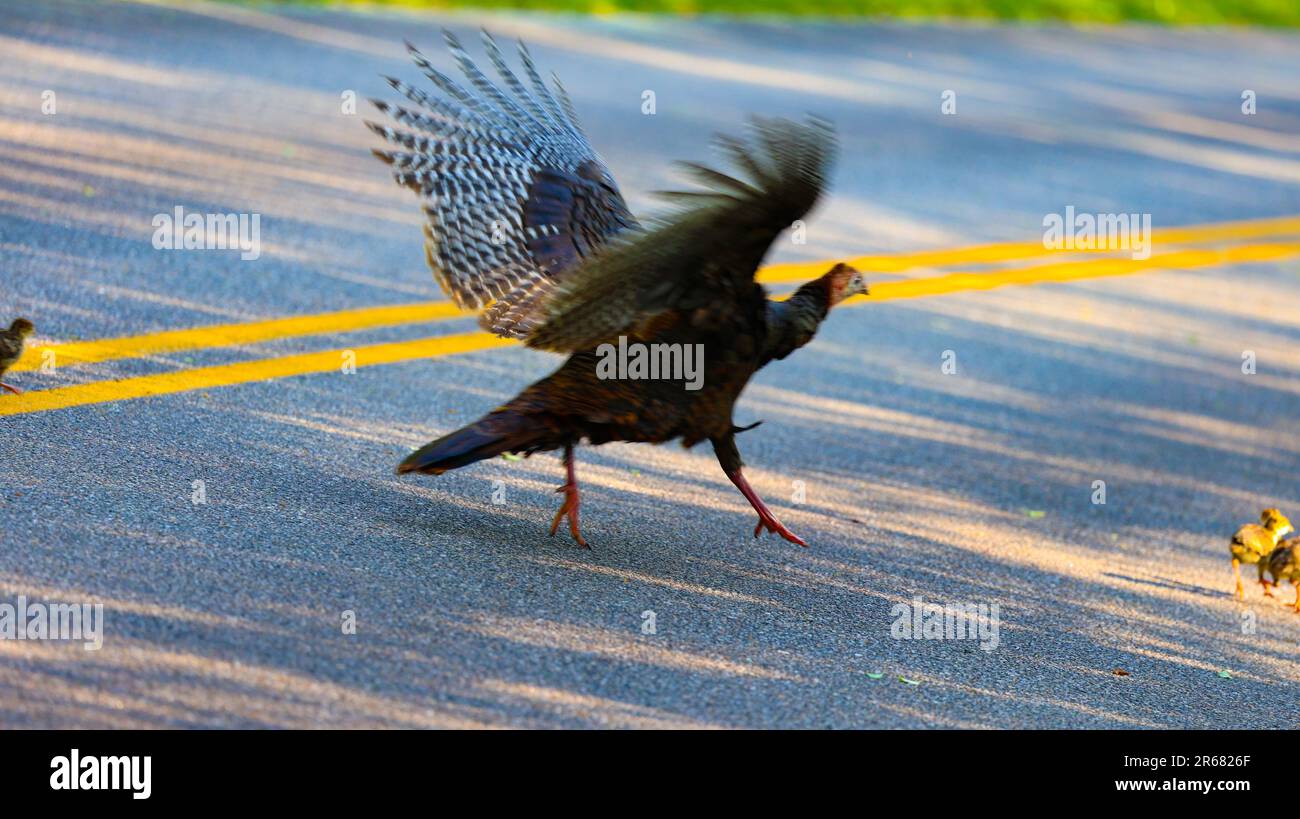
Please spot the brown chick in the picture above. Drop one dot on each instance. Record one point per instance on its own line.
(11, 348)
(1254, 543)
(1284, 564)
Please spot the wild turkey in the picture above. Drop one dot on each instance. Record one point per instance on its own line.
(11, 348)
(525, 220)
(1254, 543)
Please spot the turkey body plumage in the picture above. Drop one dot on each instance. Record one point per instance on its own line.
(574, 403)
(526, 223)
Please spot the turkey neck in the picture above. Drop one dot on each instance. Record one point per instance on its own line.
(793, 322)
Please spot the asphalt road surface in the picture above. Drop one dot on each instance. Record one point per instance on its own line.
(976, 486)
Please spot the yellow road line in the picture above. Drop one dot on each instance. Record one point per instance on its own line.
(1070, 271)
(331, 360)
(243, 372)
(1010, 251)
(224, 335)
(174, 341)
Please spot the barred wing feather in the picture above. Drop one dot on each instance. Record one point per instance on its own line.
(513, 193)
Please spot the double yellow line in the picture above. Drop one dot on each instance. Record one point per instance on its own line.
(1238, 250)
(230, 335)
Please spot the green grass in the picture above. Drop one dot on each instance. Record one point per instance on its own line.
(1180, 12)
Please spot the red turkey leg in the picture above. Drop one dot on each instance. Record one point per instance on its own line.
(766, 520)
(571, 501)
(11, 388)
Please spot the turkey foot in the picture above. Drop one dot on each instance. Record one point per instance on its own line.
(572, 501)
(766, 520)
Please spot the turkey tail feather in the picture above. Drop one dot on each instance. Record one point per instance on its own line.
(487, 438)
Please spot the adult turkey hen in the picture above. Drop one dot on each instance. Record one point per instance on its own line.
(525, 222)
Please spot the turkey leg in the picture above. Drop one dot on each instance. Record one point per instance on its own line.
(766, 520)
(724, 446)
(571, 500)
